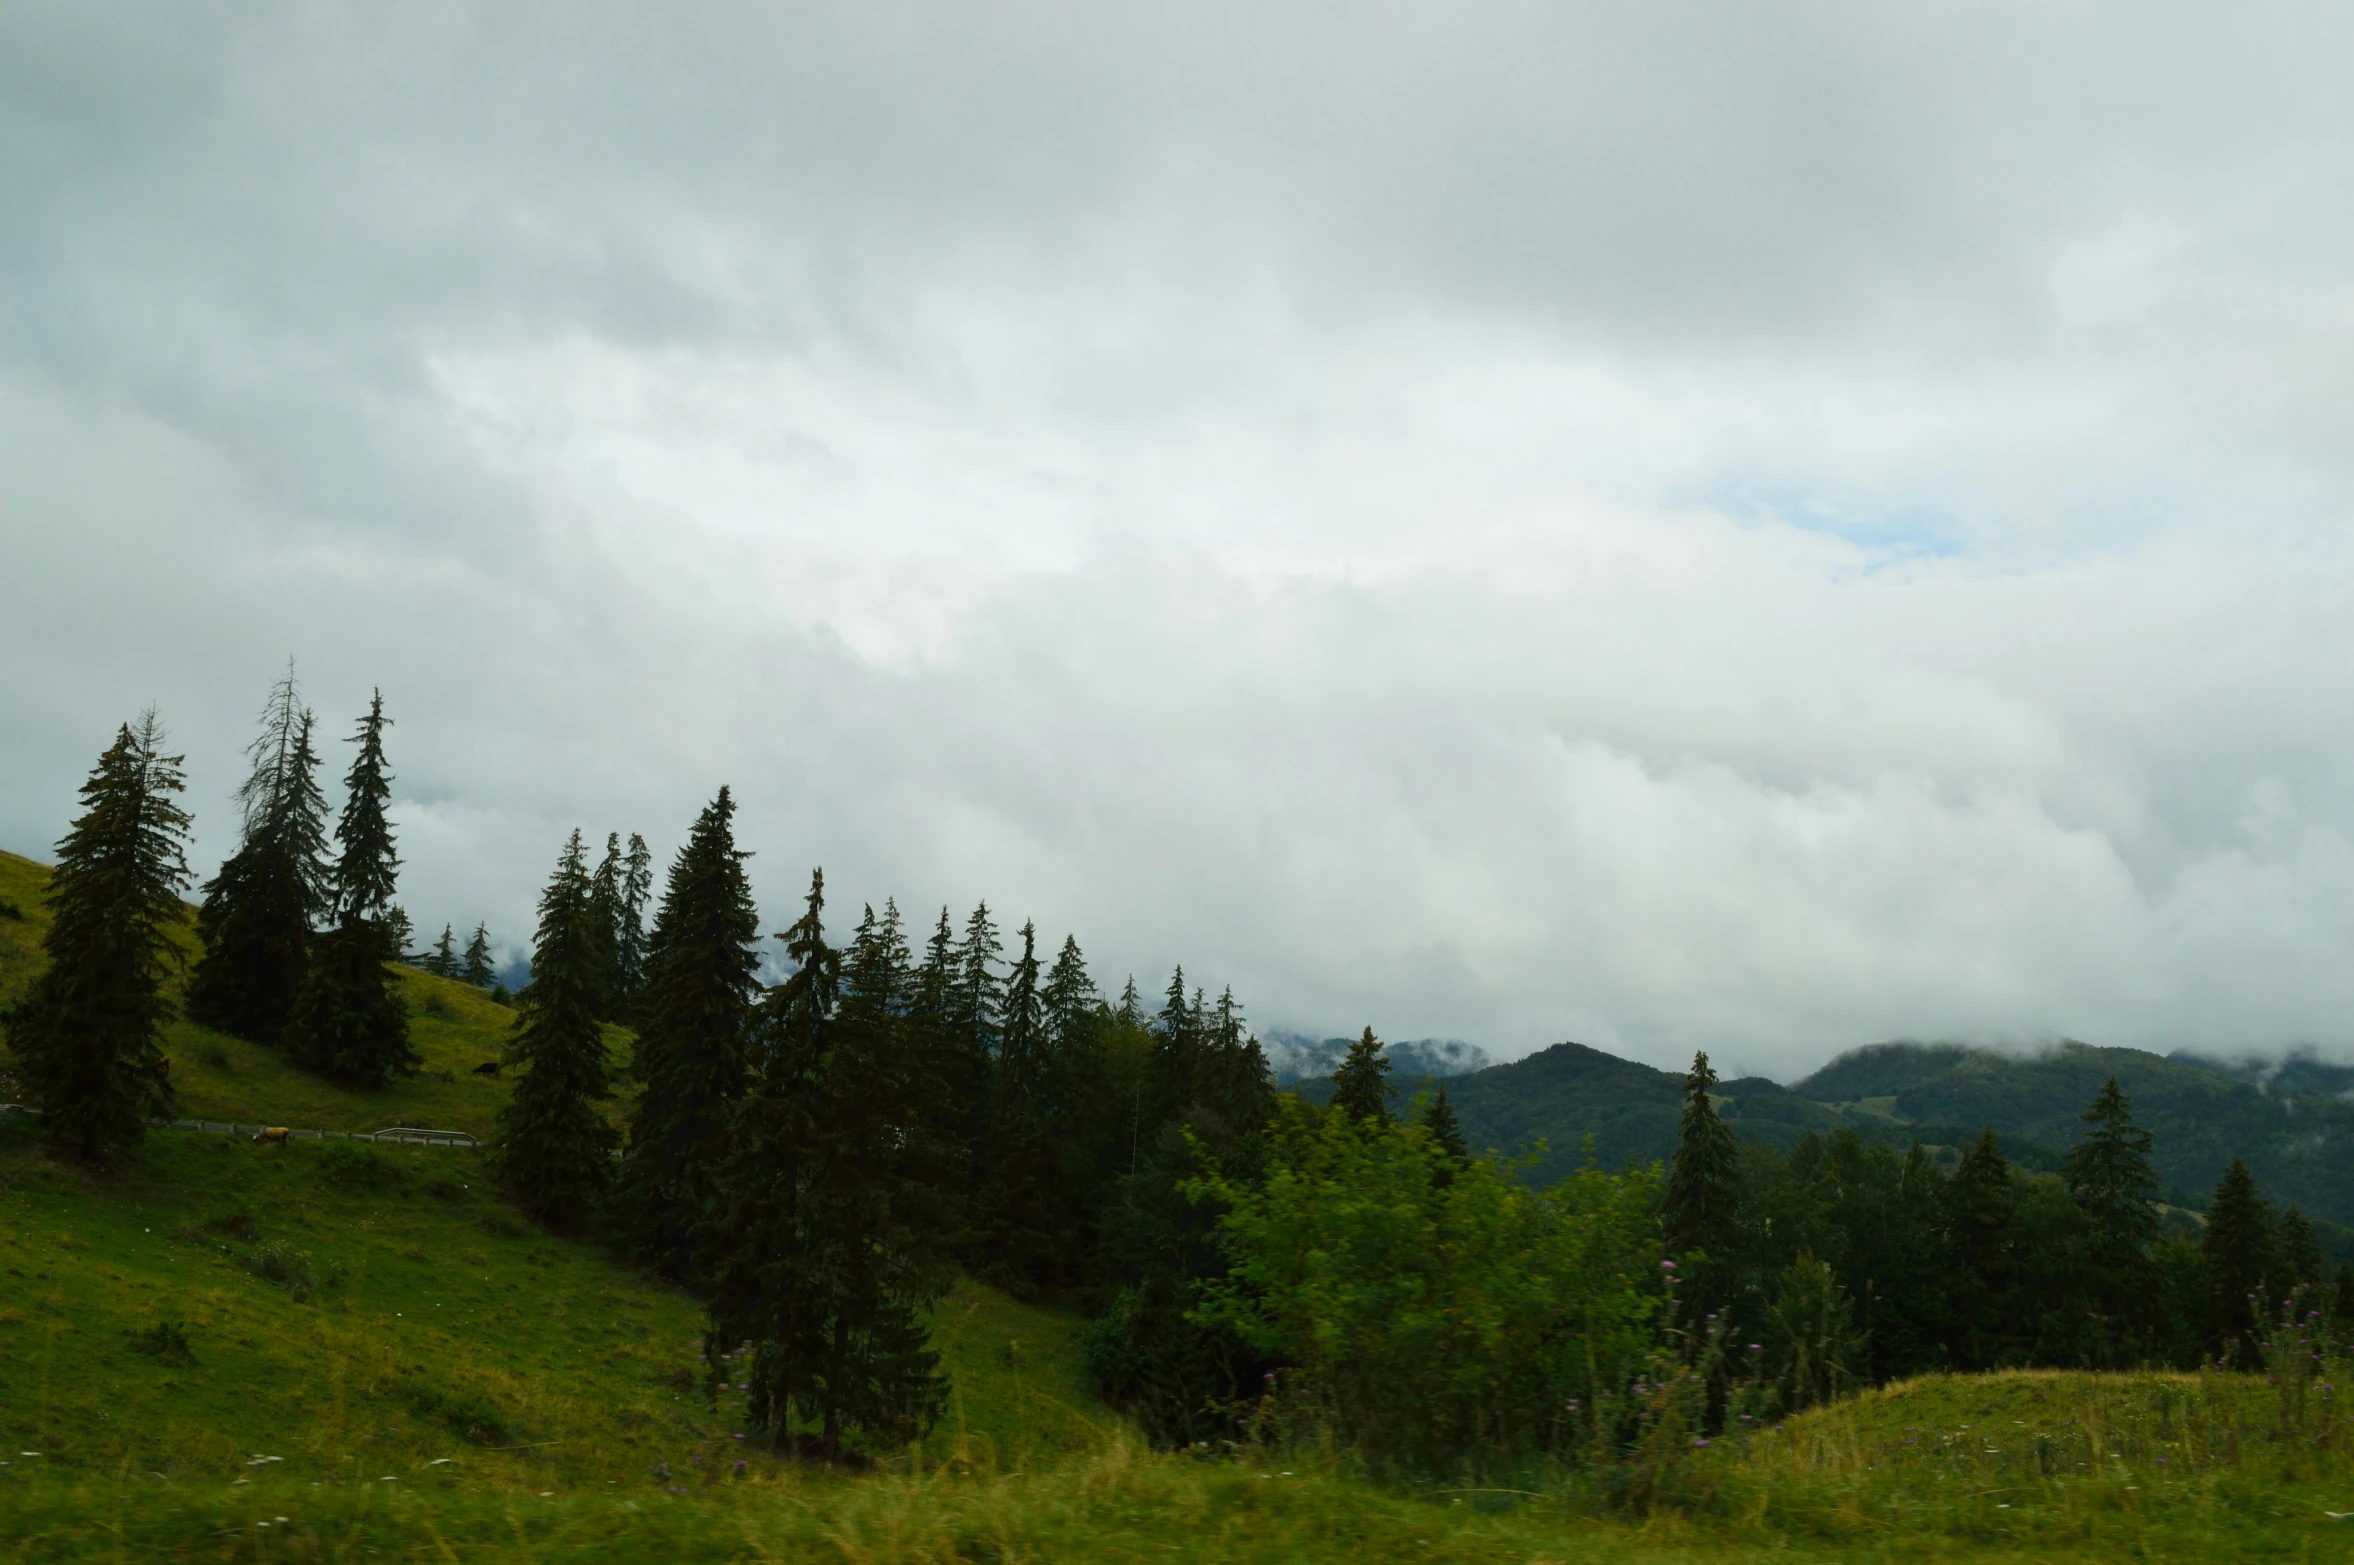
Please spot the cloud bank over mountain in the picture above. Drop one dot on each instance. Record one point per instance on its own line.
(1691, 526)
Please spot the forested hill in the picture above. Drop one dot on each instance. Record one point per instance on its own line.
(2288, 1120)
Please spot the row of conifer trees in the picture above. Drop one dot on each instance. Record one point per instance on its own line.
(820, 1156)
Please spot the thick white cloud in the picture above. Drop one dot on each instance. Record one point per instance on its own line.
(1762, 529)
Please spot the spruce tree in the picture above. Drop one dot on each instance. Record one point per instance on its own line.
(1131, 1007)
(605, 899)
(2239, 1247)
(442, 961)
(349, 1023)
(941, 1012)
(702, 985)
(554, 1149)
(1983, 1264)
(1232, 1080)
(398, 932)
(88, 1033)
(629, 947)
(259, 909)
(1069, 998)
(2109, 1175)
(1360, 1087)
(1176, 1048)
(1438, 1116)
(826, 1235)
(1704, 1179)
(1014, 1158)
(476, 968)
(2301, 1263)
(978, 994)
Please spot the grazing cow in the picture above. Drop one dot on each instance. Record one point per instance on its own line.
(275, 1134)
(487, 1068)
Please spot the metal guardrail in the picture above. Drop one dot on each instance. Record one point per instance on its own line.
(392, 1135)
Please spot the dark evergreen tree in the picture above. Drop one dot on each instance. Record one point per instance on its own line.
(1704, 1178)
(1176, 1048)
(941, 1012)
(2239, 1246)
(2109, 1175)
(2301, 1263)
(398, 932)
(259, 909)
(691, 1057)
(476, 968)
(554, 1148)
(2342, 1299)
(1984, 1238)
(977, 987)
(1019, 1191)
(88, 1033)
(1360, 1087)
(637, 885)
(1131, 1007)
(349, 1023)
(827, 1234)
(605, 903)
(1206, 1111)
(1438, 1117)
(1070, 999)
(442, 960)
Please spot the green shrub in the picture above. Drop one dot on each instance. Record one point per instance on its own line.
(213, 1057)
(165, 1342)
(10, 910)
(288, 1268)
(1440, 1315)
(468, 1414)
(358, 1168)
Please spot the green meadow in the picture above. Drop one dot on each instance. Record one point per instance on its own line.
(336, 1351)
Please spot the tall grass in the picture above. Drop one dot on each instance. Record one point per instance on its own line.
(2030, 1465)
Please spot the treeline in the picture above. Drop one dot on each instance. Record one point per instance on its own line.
(820, 1157)
(1903, 1268)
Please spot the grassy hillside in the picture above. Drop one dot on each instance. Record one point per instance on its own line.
(348, 1307)
(2002, 1468)
(456, 1027)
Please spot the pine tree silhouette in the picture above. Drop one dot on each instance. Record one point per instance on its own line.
(261, 906)
(553, 1148)
(349, 1023)
(1704, 1177)
(702, 985)
(1360, 1087)
(88, 1034)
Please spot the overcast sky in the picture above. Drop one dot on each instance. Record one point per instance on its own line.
(1763, 528)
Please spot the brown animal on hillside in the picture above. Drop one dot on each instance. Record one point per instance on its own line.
(275, 1134)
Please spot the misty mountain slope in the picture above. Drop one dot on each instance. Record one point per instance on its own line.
(2288, 1119)
(2297, 1140)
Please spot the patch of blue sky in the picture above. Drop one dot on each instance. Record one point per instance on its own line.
(1893, 530)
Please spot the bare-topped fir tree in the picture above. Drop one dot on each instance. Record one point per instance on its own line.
(260, 910)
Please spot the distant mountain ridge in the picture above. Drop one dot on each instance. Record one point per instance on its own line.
(1297, 1057)
(2291, 1118)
